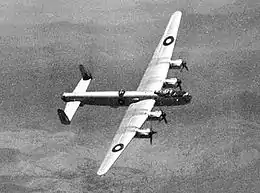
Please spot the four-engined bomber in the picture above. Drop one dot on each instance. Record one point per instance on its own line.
(155, 89)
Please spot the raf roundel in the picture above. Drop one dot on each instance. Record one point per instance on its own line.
(167, 41)
(118, 147)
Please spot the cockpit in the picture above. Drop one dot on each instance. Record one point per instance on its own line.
(169, 92)
(177, 97)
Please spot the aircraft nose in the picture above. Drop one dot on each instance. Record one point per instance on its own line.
(187, 97)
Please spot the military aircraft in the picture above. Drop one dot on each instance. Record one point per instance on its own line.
(154, 90)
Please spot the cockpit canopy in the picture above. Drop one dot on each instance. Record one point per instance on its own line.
(169, 92)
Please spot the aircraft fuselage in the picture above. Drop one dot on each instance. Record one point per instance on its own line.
(112, 98)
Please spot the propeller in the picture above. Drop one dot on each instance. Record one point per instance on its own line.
(184, 65)
(151, 135)
(163, 117)
(179, 84)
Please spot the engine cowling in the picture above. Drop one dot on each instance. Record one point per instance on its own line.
(178, 64)
(145, 133)
(157, 116)
(171, 83)
(175, 64)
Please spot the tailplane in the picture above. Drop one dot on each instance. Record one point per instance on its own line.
(67, 114)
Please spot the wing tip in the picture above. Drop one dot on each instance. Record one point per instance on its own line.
(179, 13)
(101, 172)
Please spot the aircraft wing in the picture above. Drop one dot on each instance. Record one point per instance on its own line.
(157, 70)
(134, 118)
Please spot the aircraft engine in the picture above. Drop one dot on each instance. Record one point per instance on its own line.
(145, 133)
(178, 64)
(157, 116)
(172, 83)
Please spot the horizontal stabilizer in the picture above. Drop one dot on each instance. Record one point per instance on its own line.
(82, 86)
(72, 106)
(86, 75)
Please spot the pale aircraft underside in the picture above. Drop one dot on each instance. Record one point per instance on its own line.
(155, 89)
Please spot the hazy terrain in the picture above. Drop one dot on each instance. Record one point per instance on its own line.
(210, 145)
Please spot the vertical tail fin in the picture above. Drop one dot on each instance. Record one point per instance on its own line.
(85, 74)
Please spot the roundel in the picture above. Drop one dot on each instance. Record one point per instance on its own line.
(118, 147)
(167, 41)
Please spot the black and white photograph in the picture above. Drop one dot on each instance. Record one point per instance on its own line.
(130, 96)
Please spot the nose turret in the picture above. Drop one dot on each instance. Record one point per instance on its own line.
(179, 93)
(187, 97)
(182, 97)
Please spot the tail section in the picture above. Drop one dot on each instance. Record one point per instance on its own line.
(67, 114)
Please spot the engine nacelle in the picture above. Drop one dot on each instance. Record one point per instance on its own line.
(178, 64)
(155, 115)
(171, 83)
(143, 133)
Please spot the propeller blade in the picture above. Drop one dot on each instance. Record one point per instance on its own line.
(165, 120)
(164, 117)
(151, 136)
(179, 84)
(184, 65)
